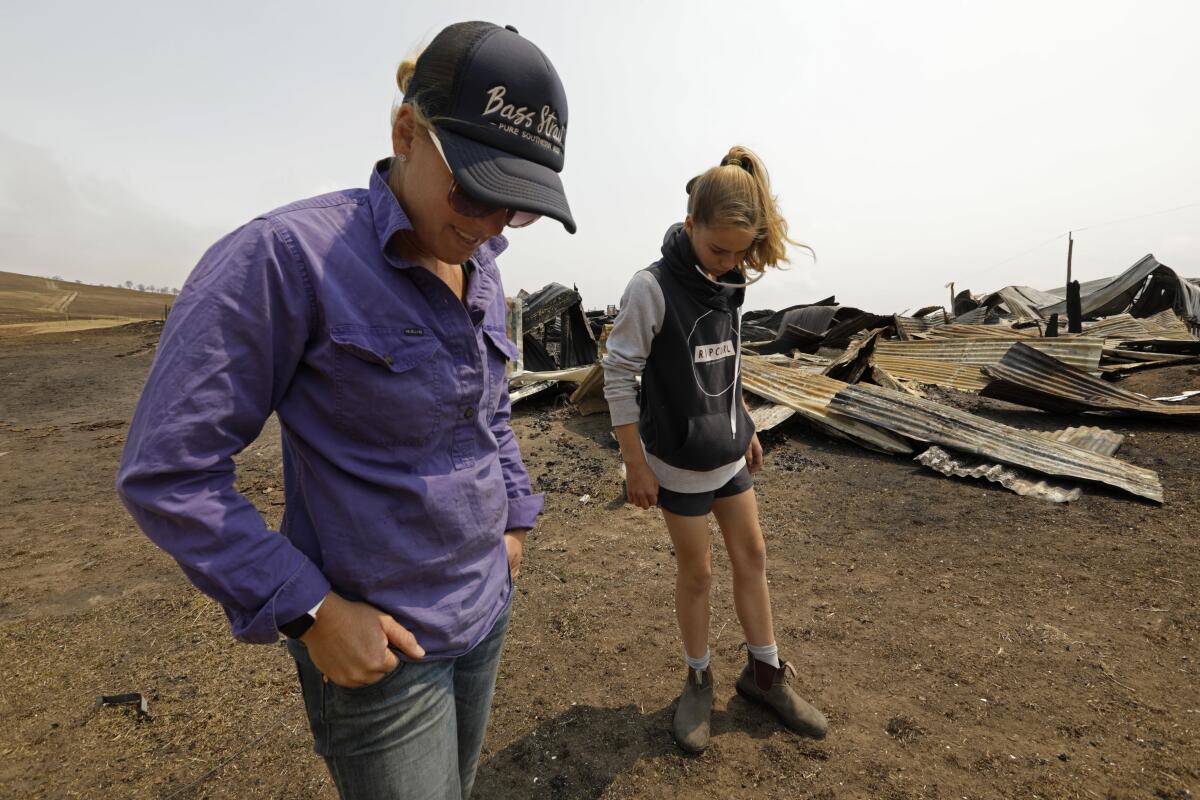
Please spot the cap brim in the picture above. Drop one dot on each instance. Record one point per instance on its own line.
(502, 179)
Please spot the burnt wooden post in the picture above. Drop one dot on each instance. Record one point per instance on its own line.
(1070, 250)
(1074, 308)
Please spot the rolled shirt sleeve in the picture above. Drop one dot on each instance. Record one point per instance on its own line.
(228, 352)
(523, 505)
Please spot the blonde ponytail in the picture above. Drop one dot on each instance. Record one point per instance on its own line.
(404, 74)
(737, 193)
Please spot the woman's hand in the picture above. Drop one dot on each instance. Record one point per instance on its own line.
(754, 455)
(349, 642)
(641, 487)
(514, 542)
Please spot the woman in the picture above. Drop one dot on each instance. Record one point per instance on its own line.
(372, 322)
(687, 440)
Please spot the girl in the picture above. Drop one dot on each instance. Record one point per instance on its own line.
(372, 323)
(688, 442)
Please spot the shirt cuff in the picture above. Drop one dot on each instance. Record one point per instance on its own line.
(312, 612)
(302, 594)
(624, 411)
(523, 511)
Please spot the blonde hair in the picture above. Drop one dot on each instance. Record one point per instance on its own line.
(404, 74)
(737, 192)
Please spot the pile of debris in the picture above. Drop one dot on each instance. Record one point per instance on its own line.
(864, 377)
(556, 341)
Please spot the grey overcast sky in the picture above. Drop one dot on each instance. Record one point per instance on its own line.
(910, 143)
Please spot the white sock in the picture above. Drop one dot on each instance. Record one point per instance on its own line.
(699, 664)
(766, 653)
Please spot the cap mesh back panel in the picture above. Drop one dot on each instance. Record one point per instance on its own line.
(435, 82)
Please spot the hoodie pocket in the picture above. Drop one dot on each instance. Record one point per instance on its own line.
(388, 384)
(709, 444)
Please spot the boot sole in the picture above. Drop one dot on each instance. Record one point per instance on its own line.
(809, 732)
(686, 748)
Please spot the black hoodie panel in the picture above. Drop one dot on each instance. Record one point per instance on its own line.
(691, 379)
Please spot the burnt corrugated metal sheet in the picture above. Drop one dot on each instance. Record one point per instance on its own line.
(809, 395)
(930, 422)
(961, 330)
(1121, 327)
(1166, 324)
(964, 377)
(1096, 440)
(1024, 301)
(770, 415)
(1118, 294)
(852, 363)
(1080, 352)
(976, 316)
(914, 327)
(1028, 377)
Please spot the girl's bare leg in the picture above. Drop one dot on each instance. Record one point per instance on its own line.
(738, 518)
(693, 578)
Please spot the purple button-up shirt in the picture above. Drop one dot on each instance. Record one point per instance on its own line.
(401, 471)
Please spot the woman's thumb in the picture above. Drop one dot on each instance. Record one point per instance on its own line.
(402, 639)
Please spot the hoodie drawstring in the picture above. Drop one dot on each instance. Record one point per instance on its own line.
(735, 396)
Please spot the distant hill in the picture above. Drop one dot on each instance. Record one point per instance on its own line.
(27, 298)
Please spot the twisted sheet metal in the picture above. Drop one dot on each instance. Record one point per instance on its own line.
(1166, 324)
(914, 327)
(1121, 327)
(1031, 378)
(1080, 352)
(962, 330)
(964, 377)
(1096, 440)
(926, 421)
(809, 395)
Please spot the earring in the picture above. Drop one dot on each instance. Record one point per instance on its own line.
(402, 158)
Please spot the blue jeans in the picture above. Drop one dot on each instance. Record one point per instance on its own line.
(416, 733)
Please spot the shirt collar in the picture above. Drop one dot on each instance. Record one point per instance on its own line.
(389, 218)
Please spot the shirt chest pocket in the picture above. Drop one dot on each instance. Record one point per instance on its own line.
(500, 351)
(389, 384)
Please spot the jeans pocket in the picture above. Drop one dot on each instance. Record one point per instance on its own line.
(370, 688)
(348, 708)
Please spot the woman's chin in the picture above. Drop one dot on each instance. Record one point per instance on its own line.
(454, 252)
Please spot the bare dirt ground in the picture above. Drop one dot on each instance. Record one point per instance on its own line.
(964, 641)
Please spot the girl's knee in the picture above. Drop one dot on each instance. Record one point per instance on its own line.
(696, 579)
(750, 556)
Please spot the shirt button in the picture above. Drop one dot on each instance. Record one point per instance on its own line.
(389, 360)
(470, 412)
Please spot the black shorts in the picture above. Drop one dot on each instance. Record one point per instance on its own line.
(700, 503)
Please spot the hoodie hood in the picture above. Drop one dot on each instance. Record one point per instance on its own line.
(681, 260)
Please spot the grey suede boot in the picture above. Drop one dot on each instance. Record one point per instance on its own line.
(771, 686)
(691, 722)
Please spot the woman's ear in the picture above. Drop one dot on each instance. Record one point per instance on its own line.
(404, 128)
(687, 224)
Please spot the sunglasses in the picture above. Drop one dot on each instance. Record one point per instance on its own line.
(462, 203)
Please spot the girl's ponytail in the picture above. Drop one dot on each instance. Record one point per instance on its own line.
(737, 192)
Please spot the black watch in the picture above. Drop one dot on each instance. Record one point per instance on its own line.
(297, 627)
